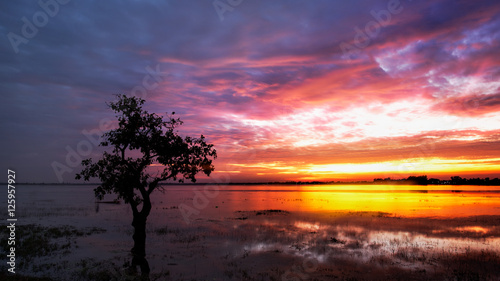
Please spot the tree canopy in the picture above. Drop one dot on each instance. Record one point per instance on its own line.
(141, 140)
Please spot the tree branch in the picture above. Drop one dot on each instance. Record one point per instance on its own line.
(133, 205)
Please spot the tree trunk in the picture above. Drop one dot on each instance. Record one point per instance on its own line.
(139, 224)
(139, 249)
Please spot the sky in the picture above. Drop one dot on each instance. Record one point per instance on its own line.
(286, 90)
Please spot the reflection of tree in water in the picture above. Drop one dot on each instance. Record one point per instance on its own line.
(151, 140)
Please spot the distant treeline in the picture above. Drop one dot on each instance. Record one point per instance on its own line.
(423, 180)
(411, 180)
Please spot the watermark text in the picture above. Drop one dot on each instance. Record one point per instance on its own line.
(11, 211)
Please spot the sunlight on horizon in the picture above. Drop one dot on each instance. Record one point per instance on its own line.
(398, 169)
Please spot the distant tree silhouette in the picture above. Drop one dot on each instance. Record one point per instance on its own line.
(420, 180)
(456, 180)
(140, 140)
(434, 181)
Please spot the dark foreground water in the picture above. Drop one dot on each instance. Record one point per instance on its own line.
(277, 232)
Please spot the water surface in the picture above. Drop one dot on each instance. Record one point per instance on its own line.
(272, 229)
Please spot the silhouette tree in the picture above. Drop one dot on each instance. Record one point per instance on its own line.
(143, 139)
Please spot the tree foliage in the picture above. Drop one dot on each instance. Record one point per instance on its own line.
(143, 139)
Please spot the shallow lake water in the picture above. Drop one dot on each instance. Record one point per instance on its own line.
(280, 232)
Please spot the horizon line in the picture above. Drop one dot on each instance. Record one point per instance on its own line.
(411, 180)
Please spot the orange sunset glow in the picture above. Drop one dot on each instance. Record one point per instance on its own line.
(285, 92)
(420, 102)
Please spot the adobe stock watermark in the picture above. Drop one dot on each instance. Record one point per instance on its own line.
(83, 149)
(201, 199)
(223, 6)
(93, 138)
(29, 29)
(11, 211)
(363, 37)
(427, 147)
(297, 273)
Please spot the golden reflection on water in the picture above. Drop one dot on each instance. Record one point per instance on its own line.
(404, 200)
(408, 204)
(403, 225)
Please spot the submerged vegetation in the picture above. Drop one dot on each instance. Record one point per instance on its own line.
(36, 241)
